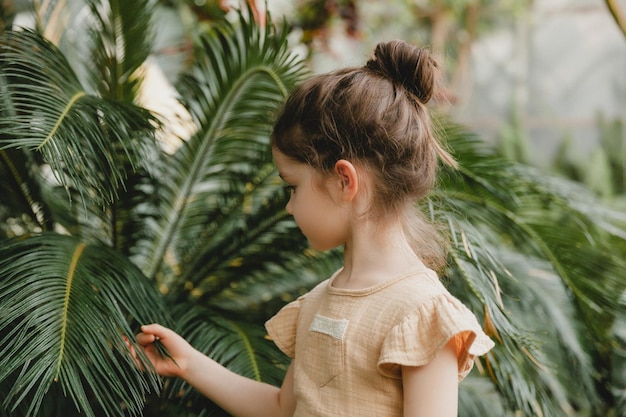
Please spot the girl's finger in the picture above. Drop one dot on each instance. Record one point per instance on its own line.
(145, 339)
(133, 354)
(157, 330)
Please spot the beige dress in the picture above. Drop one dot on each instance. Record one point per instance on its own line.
(348, 346)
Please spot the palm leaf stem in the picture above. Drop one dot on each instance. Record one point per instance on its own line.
(248, 348)
(66, 302)
(207, 144)
(77, 96)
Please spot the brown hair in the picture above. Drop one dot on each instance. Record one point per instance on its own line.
(374, 116)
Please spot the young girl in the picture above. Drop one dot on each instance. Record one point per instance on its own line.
(382, 337)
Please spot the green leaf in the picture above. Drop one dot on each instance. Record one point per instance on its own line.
(65, 308)
(502, 216)
(86, 140)
(121, 36)
(241, 75)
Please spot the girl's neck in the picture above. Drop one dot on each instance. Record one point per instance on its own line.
(373, 255)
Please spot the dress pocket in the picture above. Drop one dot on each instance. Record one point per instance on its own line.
(324, 355)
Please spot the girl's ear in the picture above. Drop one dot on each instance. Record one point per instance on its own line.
(348, 179)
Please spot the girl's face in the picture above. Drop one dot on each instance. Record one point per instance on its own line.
(315, 207)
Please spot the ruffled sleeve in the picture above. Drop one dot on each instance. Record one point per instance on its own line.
(282, 327)
(420, 335)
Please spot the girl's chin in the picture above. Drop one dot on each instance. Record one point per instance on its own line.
(320, 248)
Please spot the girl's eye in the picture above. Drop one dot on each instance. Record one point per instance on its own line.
(290, 189)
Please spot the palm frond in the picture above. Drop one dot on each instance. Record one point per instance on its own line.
(65, 308)
(20, 180)
(552, 322)
(121, 33)
(491, 207)
(81, 136)
(557, 226)
(476, 277)
(21, 191)
(238, 345)
(241, 75)
(251, 221)
(618, 359)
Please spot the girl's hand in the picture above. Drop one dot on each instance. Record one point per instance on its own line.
(180, 351)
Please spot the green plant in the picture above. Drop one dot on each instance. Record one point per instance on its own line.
(85, 176)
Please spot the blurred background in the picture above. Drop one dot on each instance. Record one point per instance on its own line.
(541, 72)
(544, 80)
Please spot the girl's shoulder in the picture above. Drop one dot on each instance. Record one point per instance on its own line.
(416, 287)
(427, 317)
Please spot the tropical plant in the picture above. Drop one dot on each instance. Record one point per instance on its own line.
(104, 228)
(603, 169)
(560, 252)
(602, 174)
(84, 177)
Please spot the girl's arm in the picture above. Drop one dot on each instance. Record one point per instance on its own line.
(432, 390)
(238, 395)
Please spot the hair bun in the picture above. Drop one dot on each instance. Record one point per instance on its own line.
(406, 64)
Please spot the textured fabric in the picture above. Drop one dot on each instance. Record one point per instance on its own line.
(348, 346)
